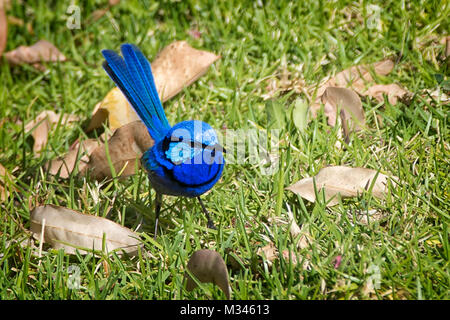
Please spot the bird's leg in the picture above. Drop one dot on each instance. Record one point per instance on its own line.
(210, 222)
(158, 202)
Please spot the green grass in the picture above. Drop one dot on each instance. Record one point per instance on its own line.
(409, 246)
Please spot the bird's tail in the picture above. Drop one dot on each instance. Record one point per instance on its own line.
(133, 75)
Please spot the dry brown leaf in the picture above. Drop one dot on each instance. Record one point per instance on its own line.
(350, 103)
(127, 144)
(3, 28)
(42, 124)
(5, 180)
(41, 51)
(115, 107)
(268, 252)
(99, 115)
(350, 109)
(208, 266)
(345, 181)
(355, 77)
(65, 165)
(438, 94)
(393, 92)
(70, 230)
(175, 67)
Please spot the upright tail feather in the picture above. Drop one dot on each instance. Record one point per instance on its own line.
(133, 75)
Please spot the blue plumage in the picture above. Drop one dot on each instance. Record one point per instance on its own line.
(186, 159)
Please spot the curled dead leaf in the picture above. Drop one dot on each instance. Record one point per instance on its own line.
(5, 180)
(70, 230)
(115, 107)
(349, 105)
(65, 165)
(177, 66)
(269, 252)
(41, 51)
(125, 146)
(392, 91)
(349, 101)
(208, 266)
(343, 181)
(3, 28)
(356, 78)
(43, 123)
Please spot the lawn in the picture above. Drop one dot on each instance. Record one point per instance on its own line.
(271, 55)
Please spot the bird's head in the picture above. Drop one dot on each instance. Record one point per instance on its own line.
(191, 152)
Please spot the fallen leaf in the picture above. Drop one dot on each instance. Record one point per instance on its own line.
(70, 230)
(269, 252)
(115, 107)
(65, 165)
(99, 115)
(5, 180)
(127, 144)
(3, 28)
(392, 91)
(355, 78)
(349, 105)
(177, 66)
(343, 181)
(437, 94)
(42, 124)
(208, 266)
(41, 51)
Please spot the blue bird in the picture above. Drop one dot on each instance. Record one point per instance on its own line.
(186, 159)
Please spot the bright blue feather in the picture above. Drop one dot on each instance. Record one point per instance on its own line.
(144, 70)
(134, 78)
(179, 162)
